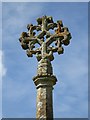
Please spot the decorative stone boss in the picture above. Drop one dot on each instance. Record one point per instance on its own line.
(50, 37)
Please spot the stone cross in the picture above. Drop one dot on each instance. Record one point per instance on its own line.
(43, 40)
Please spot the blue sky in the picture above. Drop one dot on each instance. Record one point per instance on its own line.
(70, 94)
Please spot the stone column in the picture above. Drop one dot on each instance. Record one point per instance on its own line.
(44, 85)
(49, 43)
(44, 81)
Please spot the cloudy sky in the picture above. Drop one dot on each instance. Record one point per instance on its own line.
(70, 94)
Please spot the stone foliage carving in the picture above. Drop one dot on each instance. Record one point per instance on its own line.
(50, 37)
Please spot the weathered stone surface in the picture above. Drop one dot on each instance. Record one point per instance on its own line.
(44, 38)
(41, 81)
(44, 85)
(44, 67)
(48, 44)
(44, 103)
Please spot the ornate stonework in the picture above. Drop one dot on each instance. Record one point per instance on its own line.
(59, 37)
(42, 40)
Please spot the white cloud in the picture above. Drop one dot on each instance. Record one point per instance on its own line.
(2, 73)
(2, 67)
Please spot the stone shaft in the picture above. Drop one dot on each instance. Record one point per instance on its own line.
(49, 43)
(44, 103)
(44, 85)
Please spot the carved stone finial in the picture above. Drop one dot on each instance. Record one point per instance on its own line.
(45, 39)
(42, 40)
